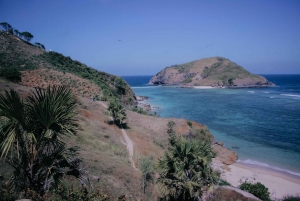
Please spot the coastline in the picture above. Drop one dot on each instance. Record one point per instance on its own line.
(280, 184)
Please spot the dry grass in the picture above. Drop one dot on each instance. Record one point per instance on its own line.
(106, 157)
(45, 77)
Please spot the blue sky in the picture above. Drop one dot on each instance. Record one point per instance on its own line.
(141, 37)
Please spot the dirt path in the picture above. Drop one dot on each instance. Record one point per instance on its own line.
(128, 142)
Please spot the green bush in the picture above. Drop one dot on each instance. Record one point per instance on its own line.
(257, 189)
(223, 182)
(291, 198)
(10, 73)
(190, 124)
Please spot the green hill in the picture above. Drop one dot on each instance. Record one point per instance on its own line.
(22, 56)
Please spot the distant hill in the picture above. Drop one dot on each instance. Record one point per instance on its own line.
(40, 68)
(215, 71)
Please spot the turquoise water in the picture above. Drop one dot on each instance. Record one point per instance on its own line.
(261, 124)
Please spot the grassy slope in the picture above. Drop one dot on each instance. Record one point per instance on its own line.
(14, 52)
(102, 150)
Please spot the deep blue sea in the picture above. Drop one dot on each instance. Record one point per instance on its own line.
(261, 124)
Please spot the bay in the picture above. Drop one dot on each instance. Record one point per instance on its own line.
(261, 124)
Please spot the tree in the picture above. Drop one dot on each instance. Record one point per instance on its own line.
(7, 27)
(28, 36)
(117, 111)
(120, 85)
(39, 45)
(184, 170)
(16, 32)
(31, 138)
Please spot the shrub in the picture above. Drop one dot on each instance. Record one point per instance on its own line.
(257, 189)
(10, 73)
(223, 182)
(291, 198)
(190, 124)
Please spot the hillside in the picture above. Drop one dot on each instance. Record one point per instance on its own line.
(215, 71)
(104, 154)
(40, 68)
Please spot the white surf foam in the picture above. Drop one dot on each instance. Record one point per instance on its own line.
(293, 95)
(248, 161)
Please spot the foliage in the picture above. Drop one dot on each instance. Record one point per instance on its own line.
(6, 26)
(28, 36)
(184, 170)
(10, 73)
(140, 111)
(183, 67)
(39, 45)
(31, 138)
(147, 169)
(117, 111)
(223, 182)
(120, 85)
(257, 189)
(291, 198)
(190, 124)
(112, 87)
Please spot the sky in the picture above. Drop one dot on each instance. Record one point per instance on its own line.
(142, 37)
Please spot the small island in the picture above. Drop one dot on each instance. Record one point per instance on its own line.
(213, 72)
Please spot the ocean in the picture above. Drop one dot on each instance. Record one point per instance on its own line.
(262, 125)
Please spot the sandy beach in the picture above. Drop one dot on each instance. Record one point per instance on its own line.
(279, 184)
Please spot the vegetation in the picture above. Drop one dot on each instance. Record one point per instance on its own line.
(32, 136)
(39, 45)
(147, 169)
(291, 198)
(117, 111)
(183, 67)
(225, 72)
(257, 189)
(12, 74)
(190, 124)
(7, 27)
(184, 170)
(13, 55)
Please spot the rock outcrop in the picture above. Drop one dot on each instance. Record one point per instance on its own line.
(215, 71)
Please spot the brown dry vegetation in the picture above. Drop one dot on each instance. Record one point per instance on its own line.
(104, 154)
(45, 77)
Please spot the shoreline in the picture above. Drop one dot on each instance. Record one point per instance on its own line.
(279, 183)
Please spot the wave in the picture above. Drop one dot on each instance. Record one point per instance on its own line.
(266, 92)
(251, 162)
(251, 92)
(293, 95)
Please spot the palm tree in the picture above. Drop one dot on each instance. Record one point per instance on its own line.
(117, 111)
(185, 171)
(31, 137)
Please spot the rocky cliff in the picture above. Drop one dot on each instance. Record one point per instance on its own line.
(215, 71)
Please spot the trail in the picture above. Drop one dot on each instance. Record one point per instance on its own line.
(128, 142)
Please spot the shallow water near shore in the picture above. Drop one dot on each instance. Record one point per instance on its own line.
(261, 124)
